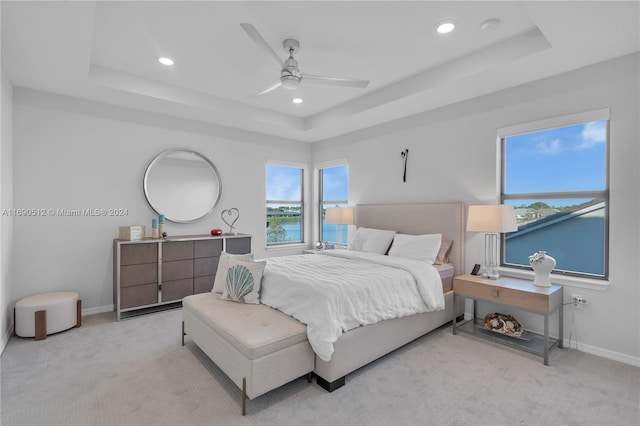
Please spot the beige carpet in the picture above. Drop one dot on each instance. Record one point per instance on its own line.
(135, 372)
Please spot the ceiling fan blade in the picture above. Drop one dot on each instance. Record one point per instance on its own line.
(335, 81)
(273, 87)
(261, 42)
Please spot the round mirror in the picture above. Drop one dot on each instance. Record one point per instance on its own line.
(182, 185)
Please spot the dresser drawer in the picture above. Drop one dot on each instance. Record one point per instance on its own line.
(139, 295)
(133, 254)
(240, 245)
(177, 270)
(205, 266)
(176, 290)
(203, 284)
(147, 273)
(207, 248)
(177, 250)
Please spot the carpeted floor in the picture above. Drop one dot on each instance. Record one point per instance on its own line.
(135, 372)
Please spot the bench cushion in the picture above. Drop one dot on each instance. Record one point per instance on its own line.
(254, 330)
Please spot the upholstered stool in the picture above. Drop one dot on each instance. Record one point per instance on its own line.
(47, 313)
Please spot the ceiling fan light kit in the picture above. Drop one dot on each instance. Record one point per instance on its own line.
(290, 75)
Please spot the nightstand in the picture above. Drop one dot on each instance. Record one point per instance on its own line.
(513, 292)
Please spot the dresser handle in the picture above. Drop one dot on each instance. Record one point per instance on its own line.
(494, 293)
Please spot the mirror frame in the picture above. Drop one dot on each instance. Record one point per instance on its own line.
(165, 154)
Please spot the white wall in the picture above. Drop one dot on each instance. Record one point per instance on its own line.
(6, 202)
(72, 154)
(453, 156)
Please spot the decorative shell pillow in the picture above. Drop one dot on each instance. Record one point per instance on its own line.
(223, 267)
(243, 281)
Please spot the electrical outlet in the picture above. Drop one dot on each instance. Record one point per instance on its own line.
(578, 301)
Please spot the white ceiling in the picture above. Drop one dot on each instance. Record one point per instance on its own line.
(107, 52)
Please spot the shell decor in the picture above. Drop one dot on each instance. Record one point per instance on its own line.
(239, 283)
(503, 324)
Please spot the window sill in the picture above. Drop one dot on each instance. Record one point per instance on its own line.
(579, 282)
(292, 246)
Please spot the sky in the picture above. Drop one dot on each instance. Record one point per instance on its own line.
(284, 183)
(565, 159)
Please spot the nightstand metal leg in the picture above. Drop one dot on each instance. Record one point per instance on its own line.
(455, 314)
(546, 339)
(560, 327)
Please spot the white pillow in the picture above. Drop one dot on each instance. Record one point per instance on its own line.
(371, 240)
(243, 281)
(223, 267)
(419, 247)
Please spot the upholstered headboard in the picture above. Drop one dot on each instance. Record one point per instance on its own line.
(434, 218)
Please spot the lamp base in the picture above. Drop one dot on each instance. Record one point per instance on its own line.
(490, 269)
(491, 272)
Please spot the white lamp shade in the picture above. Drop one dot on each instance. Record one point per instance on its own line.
(491, 218)
(339, 215)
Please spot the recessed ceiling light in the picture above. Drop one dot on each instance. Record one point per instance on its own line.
(165, 61)
(445, 27)
(296, 100)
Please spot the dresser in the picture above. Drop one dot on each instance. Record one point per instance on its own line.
(153, 274)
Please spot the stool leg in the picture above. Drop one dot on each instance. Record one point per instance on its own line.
(41, 325)
(79, 313)
(14, 322)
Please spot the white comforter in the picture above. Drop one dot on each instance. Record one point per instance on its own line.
(335, 291)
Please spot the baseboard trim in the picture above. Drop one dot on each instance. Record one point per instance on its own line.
(581, 347)
(6, 336)
(604, 353)
(97, 310)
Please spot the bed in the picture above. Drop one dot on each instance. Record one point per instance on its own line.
(362, 345)
(261, 346)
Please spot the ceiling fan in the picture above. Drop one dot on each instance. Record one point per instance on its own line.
(290, 75)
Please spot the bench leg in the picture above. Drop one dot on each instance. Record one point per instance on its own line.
(183, 333)
(79, 313)
(41, 325)
(244, 396)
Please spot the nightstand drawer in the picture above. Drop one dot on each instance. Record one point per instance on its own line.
(523, 298)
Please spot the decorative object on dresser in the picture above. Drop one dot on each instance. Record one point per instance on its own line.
(157, 273)
(491, 219)
(514, 293)
(131, 233)
(181, 185)
(233, 214)
(155, 232)
(339, 216)
(542, 265)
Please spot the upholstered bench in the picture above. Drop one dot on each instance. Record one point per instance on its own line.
(47, 313)
(257, 347)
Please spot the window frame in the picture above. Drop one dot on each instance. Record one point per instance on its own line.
(302, 169)
(549, 124)
(321, 201)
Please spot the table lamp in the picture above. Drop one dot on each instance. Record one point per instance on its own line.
(339, 216)
(491, 219)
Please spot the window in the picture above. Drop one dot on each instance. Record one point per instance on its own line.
(285, 209)
(334, 183)
(556, 178)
